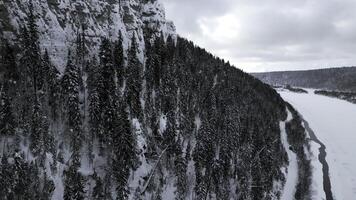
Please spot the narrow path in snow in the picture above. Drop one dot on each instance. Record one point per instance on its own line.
(322, 159)
(291, 171)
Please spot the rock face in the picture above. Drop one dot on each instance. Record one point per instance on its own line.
(60, 21)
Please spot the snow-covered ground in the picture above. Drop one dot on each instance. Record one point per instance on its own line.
(291, 171)
(334, 123)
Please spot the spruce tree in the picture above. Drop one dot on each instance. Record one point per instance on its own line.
(48, 188)
(107, 92)
(134, 80)
(119, 60)
(80, 62)
(123, 154)
(8, 64)
(32, 52)
(37, 129)
(32, 73)
(7, 119)
(95, 110)
(157, 61)
(150, 110)
(7, 178)
(181, 173)
(74, 181)
(98, 190)
(70, 92)
(51, 86)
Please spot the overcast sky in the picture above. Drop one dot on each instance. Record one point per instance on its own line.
(270, 35)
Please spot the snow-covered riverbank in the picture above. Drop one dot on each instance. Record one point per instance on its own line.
(291, 171)
(334, 123)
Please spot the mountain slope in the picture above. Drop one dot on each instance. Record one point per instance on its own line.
(137, 114)
(342, 79)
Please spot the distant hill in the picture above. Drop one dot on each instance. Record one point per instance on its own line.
(343, 79)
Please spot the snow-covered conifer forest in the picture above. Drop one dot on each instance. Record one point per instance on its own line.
(103, 100)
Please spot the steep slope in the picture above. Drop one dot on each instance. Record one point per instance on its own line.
(342, 79)
(139, 115)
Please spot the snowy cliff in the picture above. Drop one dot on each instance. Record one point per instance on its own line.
(60, 22)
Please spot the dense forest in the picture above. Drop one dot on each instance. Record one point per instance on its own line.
(347, 96)
(182, 123)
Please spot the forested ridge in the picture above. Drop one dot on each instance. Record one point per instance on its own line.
(338, 79)
(184, 124)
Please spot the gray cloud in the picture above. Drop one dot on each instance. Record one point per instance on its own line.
(187, 13)
(273, 34)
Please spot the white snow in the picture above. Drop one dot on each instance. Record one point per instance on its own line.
(334, 123)
(291, 172)
(162, 124)
(317, 180)
(169, 189)
(197, 122)
(191, 171)
(58, 182)
(136, 178)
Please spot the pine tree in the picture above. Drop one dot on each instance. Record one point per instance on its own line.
(150, 64)
(7, 178)
(203, 156)
(150, 110)
(74, 181)
(181, 171)
(158, 60)
(80, 62)
(51, 86)
(119, 60)
(107, 92)
(170, 48)
(7, 119)
(33, 188)
(48, 188)
(169, 136)
(134, 80)
(95, 110)
(123, 154)
(168, 90)
(31, 51)
(37, 129)
(70, 92)
(31, 80)
(98, 190)
(8, 63)
(26, 179)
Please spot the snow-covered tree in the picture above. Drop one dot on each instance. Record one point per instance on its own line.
(7, 119)
(74, 181)
(119, 60)
(124, 154)
(134, 80)
(70, 92)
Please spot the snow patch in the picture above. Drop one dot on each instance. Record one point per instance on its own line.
(197, 122)
(162, 123)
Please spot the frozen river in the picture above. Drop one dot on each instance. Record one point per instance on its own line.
(334, 123)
